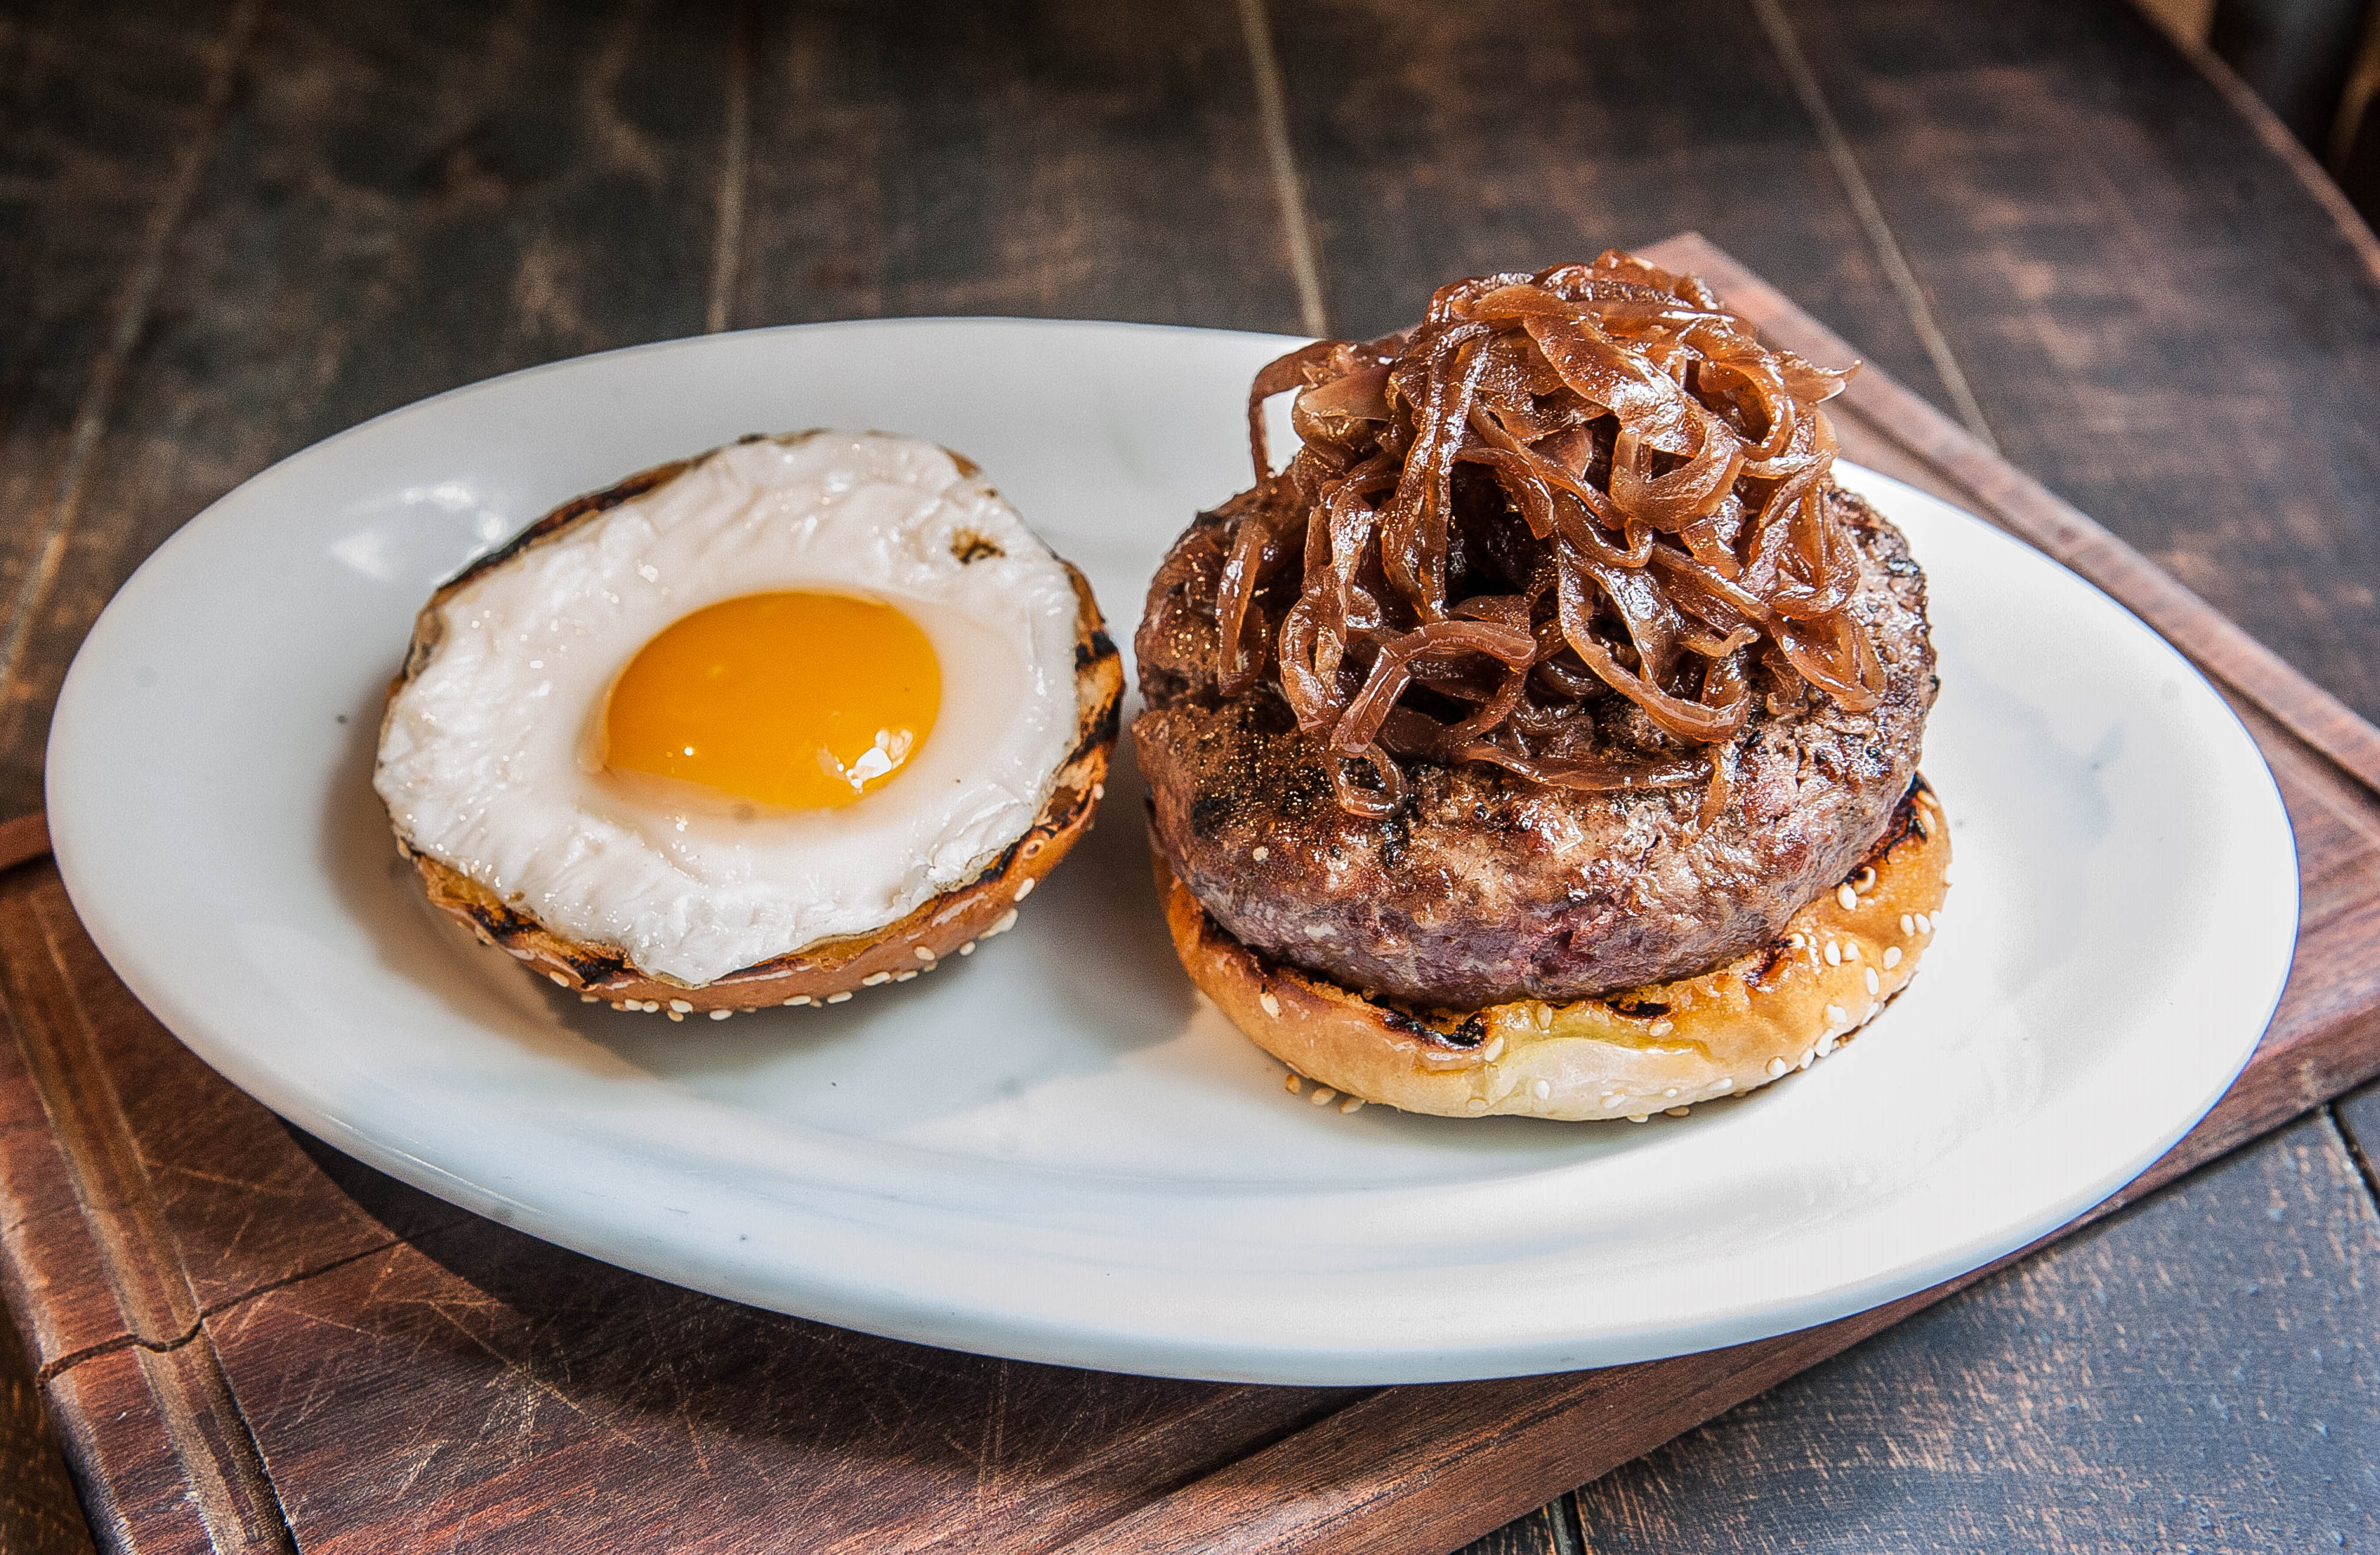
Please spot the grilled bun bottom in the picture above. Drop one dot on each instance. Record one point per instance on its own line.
(1630, 1054)
(831, 970)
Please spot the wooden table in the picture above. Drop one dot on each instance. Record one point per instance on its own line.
(232, 229)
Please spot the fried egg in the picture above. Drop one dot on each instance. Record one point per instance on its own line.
(786, 696)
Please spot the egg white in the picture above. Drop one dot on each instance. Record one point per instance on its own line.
(487, 754)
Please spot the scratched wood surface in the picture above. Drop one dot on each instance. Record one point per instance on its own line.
(233, 228)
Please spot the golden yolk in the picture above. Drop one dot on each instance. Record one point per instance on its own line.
(796, 699)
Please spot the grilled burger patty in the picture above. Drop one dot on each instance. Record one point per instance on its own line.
(1484, 887)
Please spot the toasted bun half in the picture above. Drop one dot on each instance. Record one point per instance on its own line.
(1651, 1049)
(830, 970)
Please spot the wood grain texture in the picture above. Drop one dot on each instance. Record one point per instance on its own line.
(1075, 159)
(182, 1209)
(449, 1387)
(1889, 428)
(2358, 1116)
(2202, 1371)
(105, 109)
(39, 1512)
(1550, 1530)
(404, 200)
(2156, 319)
(1439, 142)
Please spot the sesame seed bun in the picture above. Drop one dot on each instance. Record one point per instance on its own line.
(830, 970)
(1841, 959)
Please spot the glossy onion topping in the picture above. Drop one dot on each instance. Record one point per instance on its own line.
(1558, 487)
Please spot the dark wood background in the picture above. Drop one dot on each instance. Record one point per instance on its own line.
(227, 230)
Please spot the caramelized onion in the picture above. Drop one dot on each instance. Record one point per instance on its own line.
(1588, 483)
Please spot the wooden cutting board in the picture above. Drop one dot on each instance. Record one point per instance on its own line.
(249, 1342)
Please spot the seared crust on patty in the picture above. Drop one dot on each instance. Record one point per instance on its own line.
(943, 926)
(1844, 956)
(1485, 888)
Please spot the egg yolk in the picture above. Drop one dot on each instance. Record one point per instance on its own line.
(802, 700)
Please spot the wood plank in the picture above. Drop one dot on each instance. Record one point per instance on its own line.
(135, 1488)
(1444, 141)
(444, 1394)
(107, 105)
(1073, 160)
(171, 1210)
(2156, 319)
(1906, 435)
(2195, 1372)
(1546, 1531)
(2359, 1122)
(39, 1514)
(413, 198)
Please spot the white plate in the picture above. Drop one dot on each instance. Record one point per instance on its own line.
(1055, 1152)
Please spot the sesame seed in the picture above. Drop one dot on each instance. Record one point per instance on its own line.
(1543, 1089)
(1494, 1050)
(1864, 880)
(875, 979)
(680, 1006)
(1545, 1017)
(1891, 957)
(1615, 1099)
(1032, 848)
(1834, 954)
(1661, 1028)
(925, 955)
(1261, 854)
(1025, 887)
(1098, 791)
(589, 999)
(1671, 1092)
(720, 1015)
(838, 997)
(1271, 1005)
(1826, 1044)
(1477, 1103)
(619, 1004)
(1851, 949)
(1837, 1016)
(798, 999)
(1925, 824)
(1351, 1104)
(559, 981)
(677, 1015)
(1635, 1117)
(1777, 1066)
(1874, 983)
(905, 977)
(1290, 1084)
(1727, 1082)
(1806, 1059)
(1908, 924)
(652, 1006)
(967, 949)
(1846, 897)
(1323, 1096)
(1797, 940)
(1677, 1112)
(1925, 924)
(1007, 922)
